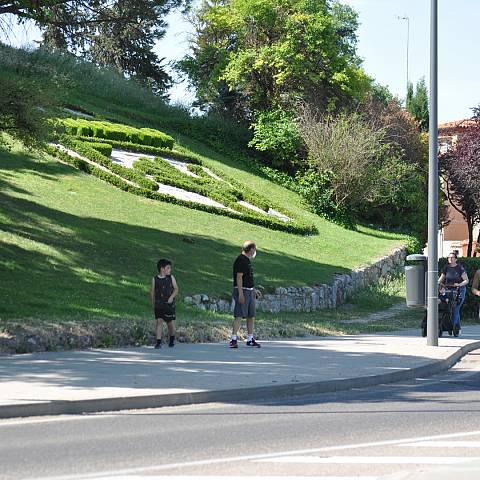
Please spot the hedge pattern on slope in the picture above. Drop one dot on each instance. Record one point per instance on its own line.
(248, 194)
(164, 172)
(115, 131)
(95, 156)
(250, 217)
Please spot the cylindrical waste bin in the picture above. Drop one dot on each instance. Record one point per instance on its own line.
(415, 280)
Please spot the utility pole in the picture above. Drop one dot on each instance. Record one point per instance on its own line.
(432, 263)
(407, 18)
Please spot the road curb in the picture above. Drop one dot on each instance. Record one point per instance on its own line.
(237, 395)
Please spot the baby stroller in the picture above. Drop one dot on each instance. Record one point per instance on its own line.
(448, 299)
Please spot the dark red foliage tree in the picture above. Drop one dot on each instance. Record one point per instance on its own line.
(460, 171)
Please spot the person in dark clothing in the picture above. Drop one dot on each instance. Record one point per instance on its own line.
(244, 294)
(454, 275)
(163, 291)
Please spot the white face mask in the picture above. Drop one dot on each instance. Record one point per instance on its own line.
(254, 254)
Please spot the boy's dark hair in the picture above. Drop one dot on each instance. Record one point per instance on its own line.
(162, 263)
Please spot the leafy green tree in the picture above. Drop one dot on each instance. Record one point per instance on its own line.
(252, 56)
(276, 132)
(417, 103)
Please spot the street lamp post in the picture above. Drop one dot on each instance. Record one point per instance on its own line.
(407, 18)
(432, 263)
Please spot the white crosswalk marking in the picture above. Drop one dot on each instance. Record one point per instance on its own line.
(444, 444)
(367, 460)
(239, 477)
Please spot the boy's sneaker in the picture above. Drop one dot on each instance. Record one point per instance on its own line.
(158, 344)
(171, 342)
(233, 343)
(253, 343)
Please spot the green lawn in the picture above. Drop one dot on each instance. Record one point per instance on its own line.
(73, 246)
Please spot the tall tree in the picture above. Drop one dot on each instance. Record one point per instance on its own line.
(127, 45)
(119, 33)
(417, 103)
(460, 168)
(249, 56)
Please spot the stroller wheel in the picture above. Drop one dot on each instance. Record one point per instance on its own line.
(450, 332)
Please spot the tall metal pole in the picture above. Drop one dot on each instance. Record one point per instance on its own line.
(407, 18)
(408, 44)
(432, 266)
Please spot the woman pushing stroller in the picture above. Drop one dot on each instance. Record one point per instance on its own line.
(454, 276)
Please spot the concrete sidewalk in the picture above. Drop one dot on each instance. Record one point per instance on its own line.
(102, 380)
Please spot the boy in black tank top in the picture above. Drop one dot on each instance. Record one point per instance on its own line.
(163, 291)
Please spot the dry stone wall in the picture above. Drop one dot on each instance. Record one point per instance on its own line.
(315, 297)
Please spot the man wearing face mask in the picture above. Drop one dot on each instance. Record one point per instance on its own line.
(244, 294)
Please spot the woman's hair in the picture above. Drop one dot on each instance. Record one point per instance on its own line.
(454, 254)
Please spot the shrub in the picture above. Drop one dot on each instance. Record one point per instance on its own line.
(316, 188)
(103, 148)
(116, 132)
(276, 134)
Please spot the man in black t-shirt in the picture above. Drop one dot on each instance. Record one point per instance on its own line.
(244, 294)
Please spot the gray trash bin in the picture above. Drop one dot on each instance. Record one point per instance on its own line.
(415, 280)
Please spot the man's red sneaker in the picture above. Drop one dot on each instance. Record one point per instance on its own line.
(253, 343)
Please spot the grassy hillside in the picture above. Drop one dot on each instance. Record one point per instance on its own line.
(72, 246)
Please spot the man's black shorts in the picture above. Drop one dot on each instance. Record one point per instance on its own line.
(166, 311)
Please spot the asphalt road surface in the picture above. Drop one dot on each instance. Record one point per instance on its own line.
(397, 429)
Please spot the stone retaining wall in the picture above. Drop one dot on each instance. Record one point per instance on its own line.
(316, 297)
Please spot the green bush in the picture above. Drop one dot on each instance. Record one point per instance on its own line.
(103, 148)
(116, 132)
(471, 264)
(316, 189)
(276, 134)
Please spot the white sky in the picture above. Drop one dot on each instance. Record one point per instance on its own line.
(383, 47)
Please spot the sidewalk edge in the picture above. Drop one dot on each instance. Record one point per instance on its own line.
(74, 407)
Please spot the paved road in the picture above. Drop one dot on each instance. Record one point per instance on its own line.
(394, 429)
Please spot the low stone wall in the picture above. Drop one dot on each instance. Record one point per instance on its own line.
(315, 297)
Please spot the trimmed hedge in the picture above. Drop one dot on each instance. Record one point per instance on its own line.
(115, 131)
(167, 174)
(298, 228)
(103, 148)
(138, 148)
(471, 264)
(87, 151)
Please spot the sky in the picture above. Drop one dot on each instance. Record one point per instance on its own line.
(382, 44)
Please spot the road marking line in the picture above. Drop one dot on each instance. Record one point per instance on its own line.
(213, 461)
(61, 418)
(239, 477)
(444, 444)
(368, 460)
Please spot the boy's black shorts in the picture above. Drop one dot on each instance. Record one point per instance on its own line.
(166, 311)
